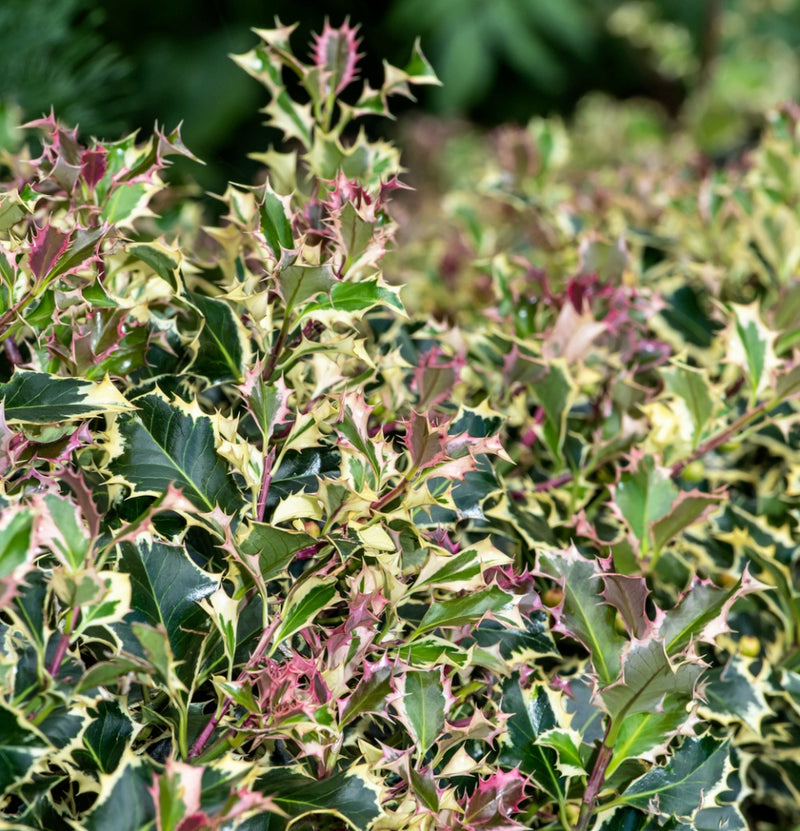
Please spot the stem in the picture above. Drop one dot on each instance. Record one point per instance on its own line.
(266, 478)
(63, 643)
(12, 350)
(720, 438)
(202, 740)
(595, 783)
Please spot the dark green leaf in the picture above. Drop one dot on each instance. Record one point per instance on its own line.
(344, 795)
(531, 714)
(39, 398)
(584, 617)
(221, 345)
(165, 445)
(126, 804)
(275, 225)
(20, 747)
(105, 738)
(165, 589)
(691, 779)
(275, 547)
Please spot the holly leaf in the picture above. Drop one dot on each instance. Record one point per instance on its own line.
(691, 779)
(164, 445)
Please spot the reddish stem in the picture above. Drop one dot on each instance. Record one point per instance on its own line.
(266, 479)
(63, 644)
(202, 740)
(594, 784)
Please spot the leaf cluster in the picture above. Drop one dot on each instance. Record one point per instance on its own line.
(279, 550)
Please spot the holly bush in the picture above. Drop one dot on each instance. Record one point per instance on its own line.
(286, 544)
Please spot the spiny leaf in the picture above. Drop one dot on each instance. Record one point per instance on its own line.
(302, 606)
(690, 780)
(166, 587)
(531, 713)
(165, 445)
(346, 795)
(580, 616)
(39, 398)
(467, 609)
(648, 679)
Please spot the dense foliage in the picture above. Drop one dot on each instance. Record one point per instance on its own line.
(279, 550)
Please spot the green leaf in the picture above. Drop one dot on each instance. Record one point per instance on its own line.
(424, 707)
(159, 258)
(368, 696)
(649, 678)
(686, 510)
(275, 224)
(691, 779)
(643, 735)
(15, 542)
(123, 202)
(302, 605)
(684, 314)
(555, 392)
(531, 714)
(72, 533)
(165, 589)
(733, 695)
(567, 745)
(223, 350)
(39, 398)
(80, 248)
(275, 547)
(20, 747)
(460, 611)
(125, 802)
(165, 445)
(105, 738)
(346, 795)
(756, 341)
(356, 297)
(644, 494)
(12, 209)
(583, 617)
(301, 470)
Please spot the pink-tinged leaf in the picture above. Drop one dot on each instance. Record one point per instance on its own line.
(370, 696)
(48, 245)
(425, 441)
(435, 376)
(628, 595)
(336, 56)
(93, 166)
(688, 508)
(176, 794)
(353, 426)
(492, 805)
(580, 615)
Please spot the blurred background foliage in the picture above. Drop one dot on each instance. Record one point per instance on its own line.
(711, 66)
